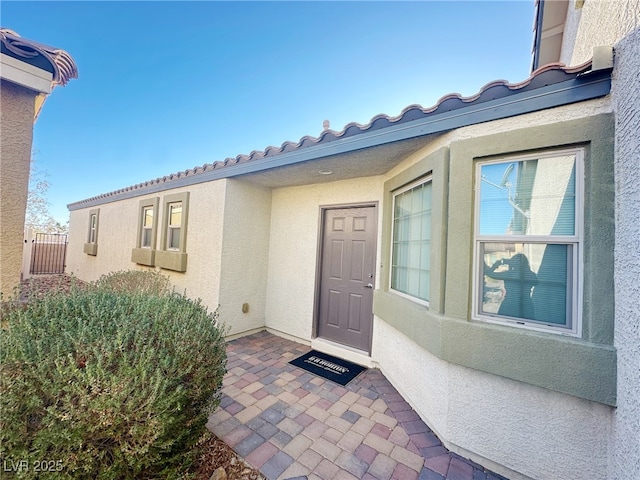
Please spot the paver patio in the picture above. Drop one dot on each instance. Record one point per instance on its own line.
(291, 424)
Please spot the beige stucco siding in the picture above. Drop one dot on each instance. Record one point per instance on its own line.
(518, 429)
(116, 237)
(245, 254)
(117, 234)
(617, 23)
(494, 420)
(596, 23)
(626, 84)
(293, 249)
(16, 135)
(248, 244)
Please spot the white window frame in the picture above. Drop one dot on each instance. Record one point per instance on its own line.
(93, 231)
(576, 240)
(93, 228)
(170, 227)
(150, 228)
(421, 181)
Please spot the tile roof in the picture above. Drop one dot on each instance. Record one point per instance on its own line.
(52, 59)
(549, 74)
(494, 91)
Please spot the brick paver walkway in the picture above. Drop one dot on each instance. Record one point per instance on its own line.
(291, 424)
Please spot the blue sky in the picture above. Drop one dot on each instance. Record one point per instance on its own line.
(166, 86)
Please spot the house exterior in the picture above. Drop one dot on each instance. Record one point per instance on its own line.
(476, 251)
(29, 72)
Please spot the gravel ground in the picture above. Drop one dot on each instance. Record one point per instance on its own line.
(40, 284)
(218, 455)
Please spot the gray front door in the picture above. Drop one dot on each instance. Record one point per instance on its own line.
(345, 313)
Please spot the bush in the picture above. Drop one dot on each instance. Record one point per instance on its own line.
(108, 382)
(135, 281)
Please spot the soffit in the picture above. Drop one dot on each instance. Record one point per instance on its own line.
(372, 161)
(548, 31)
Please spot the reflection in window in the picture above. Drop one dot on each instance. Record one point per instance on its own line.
(514, 287)
(147, 227)
(530, 197)
(175, 221)
(528, 241)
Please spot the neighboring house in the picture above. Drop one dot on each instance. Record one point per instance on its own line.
(482, 253)
(29, 72)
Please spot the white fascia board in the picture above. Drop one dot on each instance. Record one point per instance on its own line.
(22, 73)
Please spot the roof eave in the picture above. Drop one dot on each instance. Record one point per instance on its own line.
(35, 66)
(586, 86)
(550, 18)
(57, 61)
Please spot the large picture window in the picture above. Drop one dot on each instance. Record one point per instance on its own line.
(529, 240)
(411, 240)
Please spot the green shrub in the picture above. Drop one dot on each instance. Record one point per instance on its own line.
(108, 383)
(135, 281)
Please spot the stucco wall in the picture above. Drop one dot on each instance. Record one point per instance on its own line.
(16, 135)
(245, 255)
(540, 433)
(508, 425)
(294, 245)
(618, 24)
(626, 85)
(554, 115)
(499, 422)
(117, 233)
(598, 22)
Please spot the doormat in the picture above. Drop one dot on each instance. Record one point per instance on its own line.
(326, 366)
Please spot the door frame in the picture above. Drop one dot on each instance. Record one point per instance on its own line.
(319, 254)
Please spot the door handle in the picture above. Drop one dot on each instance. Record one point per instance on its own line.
(368, 285)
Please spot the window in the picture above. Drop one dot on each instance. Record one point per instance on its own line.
(172, 254)
(93, 228)
(147, 227)
(528, 241)
(411, 240)
(175, 221)
(91, 246)
(145, 251)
